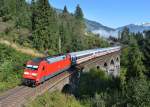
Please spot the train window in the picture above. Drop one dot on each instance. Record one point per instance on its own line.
(55, 59)
(32, 67)
(64, 57)
(74, 60)
(84, 56)
(37, 59)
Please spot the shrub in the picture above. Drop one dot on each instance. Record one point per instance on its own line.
(11, 64)
(7, 30)
(96, 81)
(55, 99)
(137, 92)
(6, 18)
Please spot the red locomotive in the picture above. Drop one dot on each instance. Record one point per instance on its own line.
(40, 69)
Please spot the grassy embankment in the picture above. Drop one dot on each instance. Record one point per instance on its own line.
(55, 99)
(12, 59)
(11, 67)
(13, 55)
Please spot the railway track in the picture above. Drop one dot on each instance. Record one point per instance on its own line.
(11, 91)
(20, 95)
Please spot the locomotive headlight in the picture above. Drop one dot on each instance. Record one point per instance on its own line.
(34, 74)
(35, 67)
(26, 73)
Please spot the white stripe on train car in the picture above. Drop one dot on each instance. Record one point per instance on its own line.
(103, 51)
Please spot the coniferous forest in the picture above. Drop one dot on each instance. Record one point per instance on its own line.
(45, 28)
(38, 25)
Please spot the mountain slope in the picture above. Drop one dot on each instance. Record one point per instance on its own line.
(100, 29)
(136, 28)
(93, 25)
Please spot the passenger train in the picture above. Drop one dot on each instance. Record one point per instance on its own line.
(39, 70)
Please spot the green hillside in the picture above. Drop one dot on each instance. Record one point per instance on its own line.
(11, 67)
(39, 26)
(55, 99)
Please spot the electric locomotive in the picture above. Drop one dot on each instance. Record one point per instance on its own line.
(39, 70)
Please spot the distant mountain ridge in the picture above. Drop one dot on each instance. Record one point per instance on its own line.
(93, 25)
(136, 28)
(100, 29)
(106, 31)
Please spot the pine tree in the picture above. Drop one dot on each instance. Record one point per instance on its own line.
(65, 9)
(19, 11)
(7, 9)
(125, 35)
(139, 37)
(78, 13)
(65, 14)
(16, 10)
(135, 58)
(33, 12)
(41, 23)
(45, 33)
(1, 8)
(78, 30)
(146, 50)
(65, 30)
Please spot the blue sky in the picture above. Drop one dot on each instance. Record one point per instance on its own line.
(112, 13)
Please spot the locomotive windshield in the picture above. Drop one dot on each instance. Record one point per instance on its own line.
(37, 59)
(32, 67)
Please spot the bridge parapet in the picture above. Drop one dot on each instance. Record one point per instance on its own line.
(109, 63)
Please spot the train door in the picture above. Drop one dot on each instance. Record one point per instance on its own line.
(68, 60)
(74, 59)
(62, 62)
(43, 70)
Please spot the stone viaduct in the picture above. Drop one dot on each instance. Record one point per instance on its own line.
(110, 63)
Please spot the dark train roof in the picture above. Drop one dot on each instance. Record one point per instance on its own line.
(37, 60)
